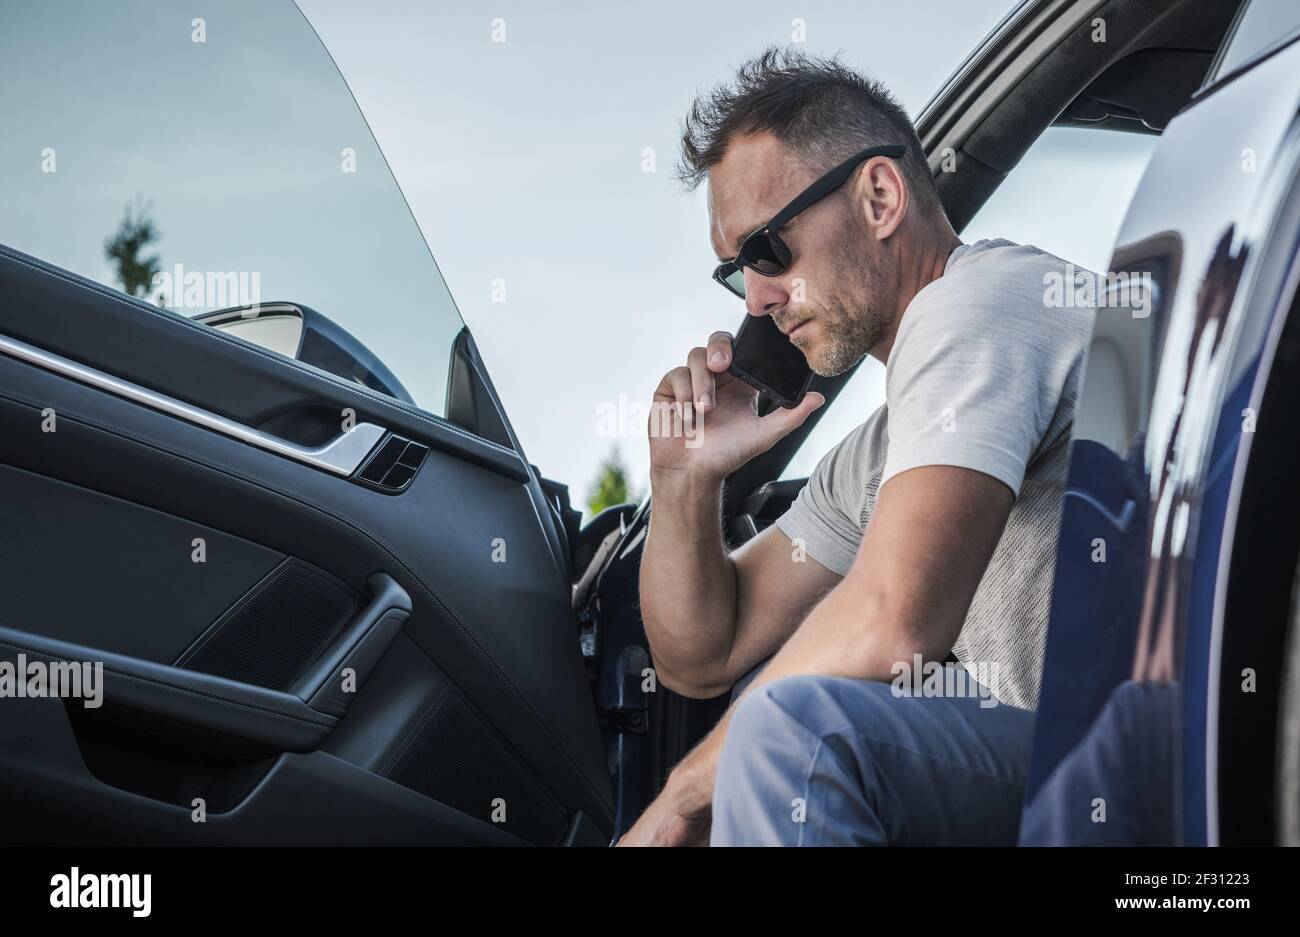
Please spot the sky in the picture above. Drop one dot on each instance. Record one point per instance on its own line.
(524, 162)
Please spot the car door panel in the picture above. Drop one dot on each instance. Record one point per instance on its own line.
(155, 617)
(52, 771)
(486, 679)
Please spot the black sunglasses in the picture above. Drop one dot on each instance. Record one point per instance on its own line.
(763, 251)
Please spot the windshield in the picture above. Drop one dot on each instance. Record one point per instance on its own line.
(204, 155)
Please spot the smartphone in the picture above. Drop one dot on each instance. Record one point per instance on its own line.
(767, 361)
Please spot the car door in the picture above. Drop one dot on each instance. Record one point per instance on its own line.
(328, 594)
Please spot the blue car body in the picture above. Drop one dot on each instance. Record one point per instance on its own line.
(1127, 744)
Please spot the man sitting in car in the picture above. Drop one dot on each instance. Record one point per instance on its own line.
(928, 534)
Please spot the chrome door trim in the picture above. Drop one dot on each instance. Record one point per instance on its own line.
(342, 455)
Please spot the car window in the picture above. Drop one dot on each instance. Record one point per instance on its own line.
(1068, 196)
(205, 156)
(1261, 26)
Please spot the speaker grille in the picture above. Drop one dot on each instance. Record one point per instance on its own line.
(274, 634)
(454, 758)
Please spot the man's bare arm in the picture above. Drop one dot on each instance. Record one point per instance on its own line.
(929, 541)
(711, 616)
(706, 613)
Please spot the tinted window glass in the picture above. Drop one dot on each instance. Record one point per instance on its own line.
(1263, 24)
(227, 128)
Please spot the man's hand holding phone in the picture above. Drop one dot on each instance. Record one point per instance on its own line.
(688, 583)
(704, 423)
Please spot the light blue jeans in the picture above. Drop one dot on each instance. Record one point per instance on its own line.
(823, 761)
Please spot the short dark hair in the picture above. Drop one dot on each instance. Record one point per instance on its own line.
(820, 108)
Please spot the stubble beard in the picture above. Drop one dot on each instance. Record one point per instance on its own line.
(850, 323)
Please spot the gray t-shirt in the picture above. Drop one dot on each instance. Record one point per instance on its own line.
(984, 375)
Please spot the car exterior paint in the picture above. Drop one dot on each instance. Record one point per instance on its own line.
(1126, 740)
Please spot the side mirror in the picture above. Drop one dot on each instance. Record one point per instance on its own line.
(308, 336)
(278, 328)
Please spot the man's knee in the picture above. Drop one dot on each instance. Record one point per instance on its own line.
(774, 760)
(780, 720)
(778, 730)
(763, 764)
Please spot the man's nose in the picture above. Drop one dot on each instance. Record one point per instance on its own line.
(763, 295)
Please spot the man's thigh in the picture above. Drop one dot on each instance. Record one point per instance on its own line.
(813, 760)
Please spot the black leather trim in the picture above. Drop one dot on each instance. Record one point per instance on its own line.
(51, 797)
(278, 721)
(68, 573)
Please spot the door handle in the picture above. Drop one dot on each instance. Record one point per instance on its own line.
(340, 456)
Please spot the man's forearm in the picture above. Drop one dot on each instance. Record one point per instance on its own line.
(928, 543)
(688, 583)
(831, 641)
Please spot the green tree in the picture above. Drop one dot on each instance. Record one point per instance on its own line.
(610, 486)
(124, 249)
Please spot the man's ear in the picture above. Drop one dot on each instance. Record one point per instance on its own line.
(881, 191)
